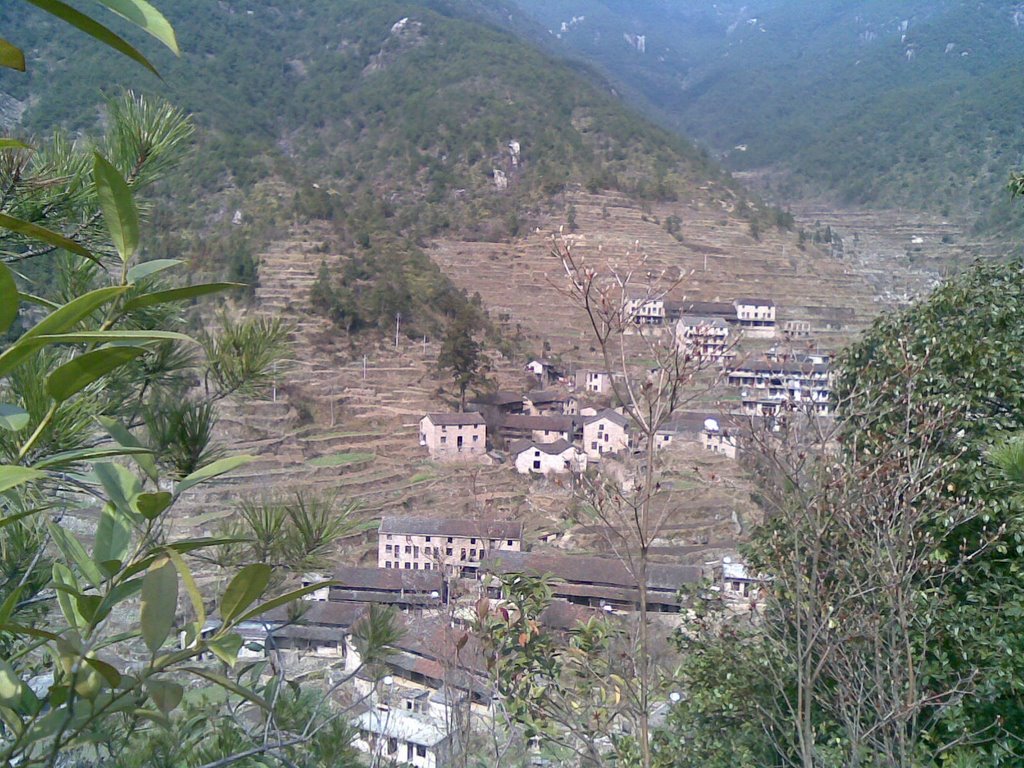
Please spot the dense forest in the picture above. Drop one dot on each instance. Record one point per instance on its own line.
(878, 104)
(390, 130)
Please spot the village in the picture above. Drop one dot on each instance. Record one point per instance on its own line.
(565, 427)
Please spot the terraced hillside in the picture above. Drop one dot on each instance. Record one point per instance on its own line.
(520, 279)
(335, 427)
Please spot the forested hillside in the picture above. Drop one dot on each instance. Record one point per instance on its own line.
(909, 103)
(394, 120)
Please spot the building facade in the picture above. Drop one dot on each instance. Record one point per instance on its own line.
(607, 432)
(425, 544)
(454, 436)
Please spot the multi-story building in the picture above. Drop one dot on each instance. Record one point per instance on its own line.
(606, 432)
(703, 336)
(426, 544)
(799, 383)
(756, 316)
(454, 436)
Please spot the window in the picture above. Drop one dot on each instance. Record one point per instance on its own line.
(472, 554)
(389, 537)
(408, 549)
(593, 446)
(426, 566)
(443, 439)
(510, 542)
(449, 539)
(427, 538)
(448, 551)
(536, 464)
(387, 547)
(472, 541)
(476, 438)
(387, 563)
(421, 750)
(408, 566)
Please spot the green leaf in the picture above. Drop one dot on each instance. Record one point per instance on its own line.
(147, 268)
(10, 603)
(124, 438)
(284, 599)
(178, 294)
(28, 229)
(110, 674)
(247, 585)
(159, 603)
(66, 458)
(165, 694)
(151, 505)
(74, 552)
(228, 685)
(219, 467)
(93, 28)
(226, 647)
(145, 16)
(118, 207)
(13, 418)
(190, 586)
(113, 536)
(73, 312)
(119, 483)
(8, 143)
(81, 371)
(8, 298)
(13, 476)
(11, 56)
(66, 587)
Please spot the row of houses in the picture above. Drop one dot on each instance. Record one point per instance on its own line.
(436, 670)
(755, 316)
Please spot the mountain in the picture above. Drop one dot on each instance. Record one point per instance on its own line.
(396, 121)
(911, 103)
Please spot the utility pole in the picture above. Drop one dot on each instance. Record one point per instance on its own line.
(364, 367)
(398, 325)
(274, 385)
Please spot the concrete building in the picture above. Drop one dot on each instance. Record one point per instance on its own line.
(427, 544)
(454, 436)
(703, 337)
(606, 432)
(801, 384)
(557, 458)
(756, 316)
(595, 382)
(718, 439)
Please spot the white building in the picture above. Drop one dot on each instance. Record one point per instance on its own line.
(424, 544)
(396, 736)
(454, 436)
(607, 432)
(703, 337)
(717, 440)
(756, 316)
(557, 458)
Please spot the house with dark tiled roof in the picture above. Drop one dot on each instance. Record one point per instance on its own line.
(405, 589)
(540, 429)
(597, 581)
(454, 436)
(557, 458)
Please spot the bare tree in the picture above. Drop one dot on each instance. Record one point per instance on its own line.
(655, 375)
(850, 617)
